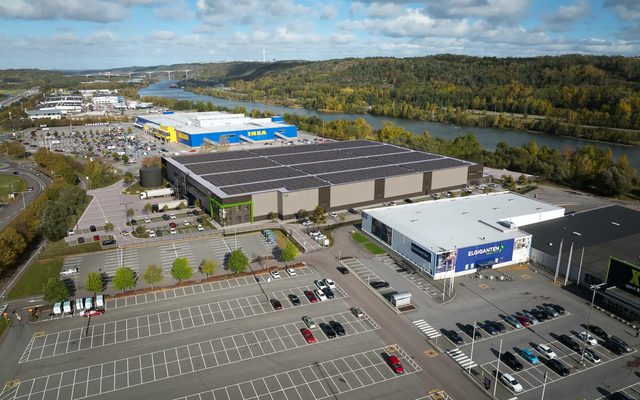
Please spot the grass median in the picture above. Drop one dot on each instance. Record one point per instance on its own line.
(364, 241)
(4, 324)
(33, 279)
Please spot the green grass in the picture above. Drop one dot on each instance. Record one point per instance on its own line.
(61, 248)
(359, 237)
(4, 324)
(34, 278)
(374, 248)
(19, 185)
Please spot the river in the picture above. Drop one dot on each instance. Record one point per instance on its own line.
(488, 137)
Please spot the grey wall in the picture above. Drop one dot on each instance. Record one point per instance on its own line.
(403, 185)
(264, 203)
(447, 178)
(352, 193)
(301, 200)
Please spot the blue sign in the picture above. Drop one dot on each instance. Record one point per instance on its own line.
(484, 255)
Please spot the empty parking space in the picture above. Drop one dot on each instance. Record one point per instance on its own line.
(362, 271)
(411, 275)
(169, 363)
(73, 340)
(322, 380)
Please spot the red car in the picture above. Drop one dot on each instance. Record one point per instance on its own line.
(308, 336)
(310, 296)
(96, 238)
(395, 365)
(172, 224)
(523, 320)
(275, 303)
(92, 312)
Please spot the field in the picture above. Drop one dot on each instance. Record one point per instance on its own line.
(34, 278)
(6, 180)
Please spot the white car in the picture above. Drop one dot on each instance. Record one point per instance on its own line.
(275, 274)
(124, 233)
(307, 223)
(172, 216)
(309, 322)
(291, 272)
(173, 231)
(510, 382)
(69, 271)
(321, 285)
(152, 234)
(333, 215)
(585, 337)
(546, 351)
(71, 232)
(591, 356)
(314, 233)
(200, 228)
(330, 283)
(186, 223)
(320, 295)
(147, 220)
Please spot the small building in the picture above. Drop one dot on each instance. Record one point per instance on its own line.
(401, 299)
(457, 236)
(44, 114)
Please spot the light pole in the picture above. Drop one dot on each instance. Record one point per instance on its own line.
(544, 386)
(473, 341)
(495, 384)
(586, 331)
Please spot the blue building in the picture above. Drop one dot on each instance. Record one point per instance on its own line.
(194, 129)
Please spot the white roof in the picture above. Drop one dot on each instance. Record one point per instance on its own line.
(209, 122)
(441, 225)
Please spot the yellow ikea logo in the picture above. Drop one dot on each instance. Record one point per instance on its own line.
(183, 136)
(256, 133)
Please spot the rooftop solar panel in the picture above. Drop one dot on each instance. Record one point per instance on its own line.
(350, 143)
(231, 165)
(364, 174)
(265, 174)
(375, 150)
(433, 165)
(316, 156)
(227, 155)
(303, 148)
(341, 165)
(400, 158)
(306, 182)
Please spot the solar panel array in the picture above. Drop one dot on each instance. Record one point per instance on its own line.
(310, 166)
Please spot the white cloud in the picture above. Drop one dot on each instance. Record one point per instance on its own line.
(566, 15)
(76, 10)
(328, 11)
(221, 12)
(628, 10)
(175, 11)
(489, 9)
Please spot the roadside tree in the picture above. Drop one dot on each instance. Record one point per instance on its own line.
(130, 212)
(124, 279)
(52, 221)
(55, 290)
(302, 214)
(289, 252)
(94, 282)
(108, 227)
(319, 216)
(237, 262)
(181, 269)
(152, 275)
(208, 267)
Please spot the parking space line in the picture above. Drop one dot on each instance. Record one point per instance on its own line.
(346, 318)
(421, 283)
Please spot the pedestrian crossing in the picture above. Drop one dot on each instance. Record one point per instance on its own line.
(120, 258)
(220, 249)
(72, 262)
(170, 251)
(427, 329)
(461, 358)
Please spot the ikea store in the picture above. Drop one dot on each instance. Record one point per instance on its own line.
(197, 128)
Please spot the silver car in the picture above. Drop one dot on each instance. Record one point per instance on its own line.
(533, 319)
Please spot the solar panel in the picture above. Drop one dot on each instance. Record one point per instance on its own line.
(351, 143)
(401, 158)
(227, 155)
(316, 156)
(433, 165)
(375, 150)
(306, 182)
(364, 174)
(231, 165)
(341, 165)
(303, 148)
(265, 174)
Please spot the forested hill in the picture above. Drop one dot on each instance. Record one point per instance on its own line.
(575, 89)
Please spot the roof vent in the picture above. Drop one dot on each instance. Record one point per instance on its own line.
(496, 208)
(465, 212)
(577, 233)
(615, 223)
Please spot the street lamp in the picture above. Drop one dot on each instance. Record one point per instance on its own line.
(593, 298)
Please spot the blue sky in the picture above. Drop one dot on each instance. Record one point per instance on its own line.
(97, 34)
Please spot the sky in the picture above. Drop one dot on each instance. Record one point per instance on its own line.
(101, 34)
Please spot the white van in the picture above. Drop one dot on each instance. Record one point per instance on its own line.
(510, 382)
(57, 308)
(99, 301)
(66, 307)
(79, 305)
(88, 303)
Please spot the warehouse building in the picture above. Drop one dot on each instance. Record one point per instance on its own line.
(197, 128)
(244, 186)
(457, 236)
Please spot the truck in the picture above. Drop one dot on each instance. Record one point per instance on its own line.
(168, 205)
(149, 194)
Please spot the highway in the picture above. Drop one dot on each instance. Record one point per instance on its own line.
(29, 175)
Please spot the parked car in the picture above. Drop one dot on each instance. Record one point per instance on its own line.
(454, 337)
(570, 343)
(186, 223)
(546, 351)
(330, 284)
(614, 347)
(275, 274)
(200, 228)
(596, 330)
(395, 364)
(309, 322)
(550, 310)
(558, 367)
(353, 211)
(93, 228)
(320, 284)
(147, 220)
(528, 355)
(592, 356)
(587, 338)
(625, 345)
(379, 284)
(333, 215)
(540, 316)
(166, 217)
(471, 331)
(524, 321)
(357, 312)
(310, 296)
(510, 382)
(159, 233)
(499, 326)
(307, 335)
(530, 317)
(133, 222)
(108, 242)
(291, 272)
(294, 299)
(489, 328)
(320, 295)
(511, 360)
(559, 309)
(172, 225)
(329, 293)
(69, 271)
(328, 330)
(511, 320)
(92, 312)
(275, 303)
(80, 240)
(337, 326)
(343, 270)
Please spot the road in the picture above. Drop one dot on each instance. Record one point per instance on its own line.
(29, 175)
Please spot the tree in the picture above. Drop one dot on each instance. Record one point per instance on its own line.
(237, 262)
(124, 279)
(208, 267)
(141, 231)
(508, 182)
(55, 290)
(289, 252)
(12, 244)
(128, 177)
(522, 180)
(152, 275)
(302, 214)
(272, 215)
(125, 159)
(148, 207)
(94, 282)
(181, 269)
(52, 220)
(130, 212)
(318, 216)
(108, 227)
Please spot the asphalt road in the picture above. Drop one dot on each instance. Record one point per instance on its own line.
(29, 175)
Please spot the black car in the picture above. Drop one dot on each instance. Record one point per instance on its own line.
(108, 242)
(512, 362)
(570, 343)
(596, 330)
(614, 347)
(489, 328)
(471, 332)
(196, 212)
(546, 313)
(337, 327)
(93, 228)
(80, 240)
(133, 222)
(159, 233)
(343, 270)
(294, 299)
(379, 284)
(408, 201)
(166, 217)
(618, 396)
(540, 316)
(454, 337)
(328, 330)
(558, 367)
(498, 325)
(556, 307)
(353, 211)
(275, 303)
(329, 293)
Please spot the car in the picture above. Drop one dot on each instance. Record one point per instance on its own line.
(307, 223)
(151, 233)
(454, 337)
(343, 270)
(320, 284)
(329, 293)
(510, 382)
(489, 328)
(96, 238)
(539, 315)
(330, 284)
(189, 213)
(186, 223)
(71, 232)
(615, 339)
(314, 234)
(471, 331)
(550, 310)
(307, 335)
(570, 343)
(596, 330)
(558, 367)
(172, 216)
(108, 242)
(320, 295)
(379, 284)
(92, 312)
(275, 274)
(173, 231)
(275, 303)
(546, 351)
(531, 317)
(172, 225)
(328, 330)
(512, 362)
(523, 320)
(499, 326)
(133, 222)
(333, 215)
(337, 326)
(559, 309)
(511, 320)
(547, 314)
(147, 220)
(159, 233)
(310, 296)
(614, 347)
(200, 228)
(294, 299)
(592, 356)
(80, 240)
(357, 312)
(93, 228)
(165, 217)
(291, 272)
(353, 211)
(395, 365)
(309, 322)
(587, 338)
(408, 201)
(528, 355)
(88, 303)
(124, 233)
(30, 189)
(195, 212)
(69, 271)
(619, 396)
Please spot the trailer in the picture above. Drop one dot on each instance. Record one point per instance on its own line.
(149, 194)
(168, 205)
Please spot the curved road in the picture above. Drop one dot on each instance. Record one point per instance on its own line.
(38, 183)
